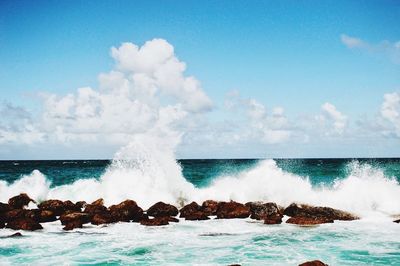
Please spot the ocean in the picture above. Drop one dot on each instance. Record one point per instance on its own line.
(368, 188)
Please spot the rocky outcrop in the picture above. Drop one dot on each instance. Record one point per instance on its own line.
(95, 207)
(24, 224)
(194, 211)
(269, 212)
(84, 218)
(300, 220)
(161, 209)
(209, 207)
(313, 263)
(232, 209)
(303, 210)
(126, 211)
(20, 201)
(157, 221)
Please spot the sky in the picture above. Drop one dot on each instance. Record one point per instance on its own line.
(220, 79)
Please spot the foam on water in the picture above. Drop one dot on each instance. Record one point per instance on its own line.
(146, 171)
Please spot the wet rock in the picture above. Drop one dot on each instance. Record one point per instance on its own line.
(72, 225)
(264, 211)
(14, 214)
(323, 212)
(232, 209)
(56, 206)
(189, 209)
(80, 204)
(173, 220)
(313, 263)
(157, 221)
(102, 218)
(96, 206)
(299, 220)
(197, 216)
(273, 220)
(24, 224)
(4, 207)
(17, 234)
(209, 207)
(161, 209)
(83, 218)
(46, 216)
(126, 211)
(20, 201)
(397, 221)
(2, 224)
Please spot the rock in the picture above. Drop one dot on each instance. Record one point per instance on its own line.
(157, 221)
(2, 224)
(58, 207)
(311, 211)
(299, 220)
(72, 225)
(232, 209)
(102, 218)
(209, 207)
(196, 216)
(46, 216)
(95, 207)
(17, 234)
(161, 209)
(80, 204)
(83, 218)
(273, 220)
(126, 211)
(20, 201)
(189, 209)
(14, 214)
(24, 224)
(172, 219)
(397, 221)
(313, 263)
(4, 207)
(264, 211)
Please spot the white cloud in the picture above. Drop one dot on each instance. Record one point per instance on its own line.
(385, 48)
(333, 121)
(390, 112)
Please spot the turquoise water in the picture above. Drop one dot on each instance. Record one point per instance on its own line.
(368, 187)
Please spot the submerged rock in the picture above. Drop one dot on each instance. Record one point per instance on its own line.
(17, 234)
(304, 210)
(24, 224)
(161, 209)
(20, 201)
(299, 220)
(157, 221)
(313, 263)
(232, 209)
(126, 211)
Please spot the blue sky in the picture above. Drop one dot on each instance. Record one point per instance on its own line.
(287, 54)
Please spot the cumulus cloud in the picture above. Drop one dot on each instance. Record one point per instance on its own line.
(390, 112)
(385, 48)
(332, 119)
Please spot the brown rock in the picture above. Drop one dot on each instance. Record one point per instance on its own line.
(95, 208)
(232, 209)
(4, 207)
(157, 221)
(161, 209)
(102, 218)
(209, 207)
(273, 220)
(83, 218)
(56, 206)
(197, 216)
(46, 216)
(20, 201)
(299, 220)
(324, 212)
(189, 209)
(126, 211)
(72, 225)
(313, 263)
(264, 211)
(24, 224)
(14, 214)
(80, 204)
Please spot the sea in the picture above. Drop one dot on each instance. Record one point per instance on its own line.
(368, 188)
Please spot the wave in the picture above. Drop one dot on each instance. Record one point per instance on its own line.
(147, 172)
